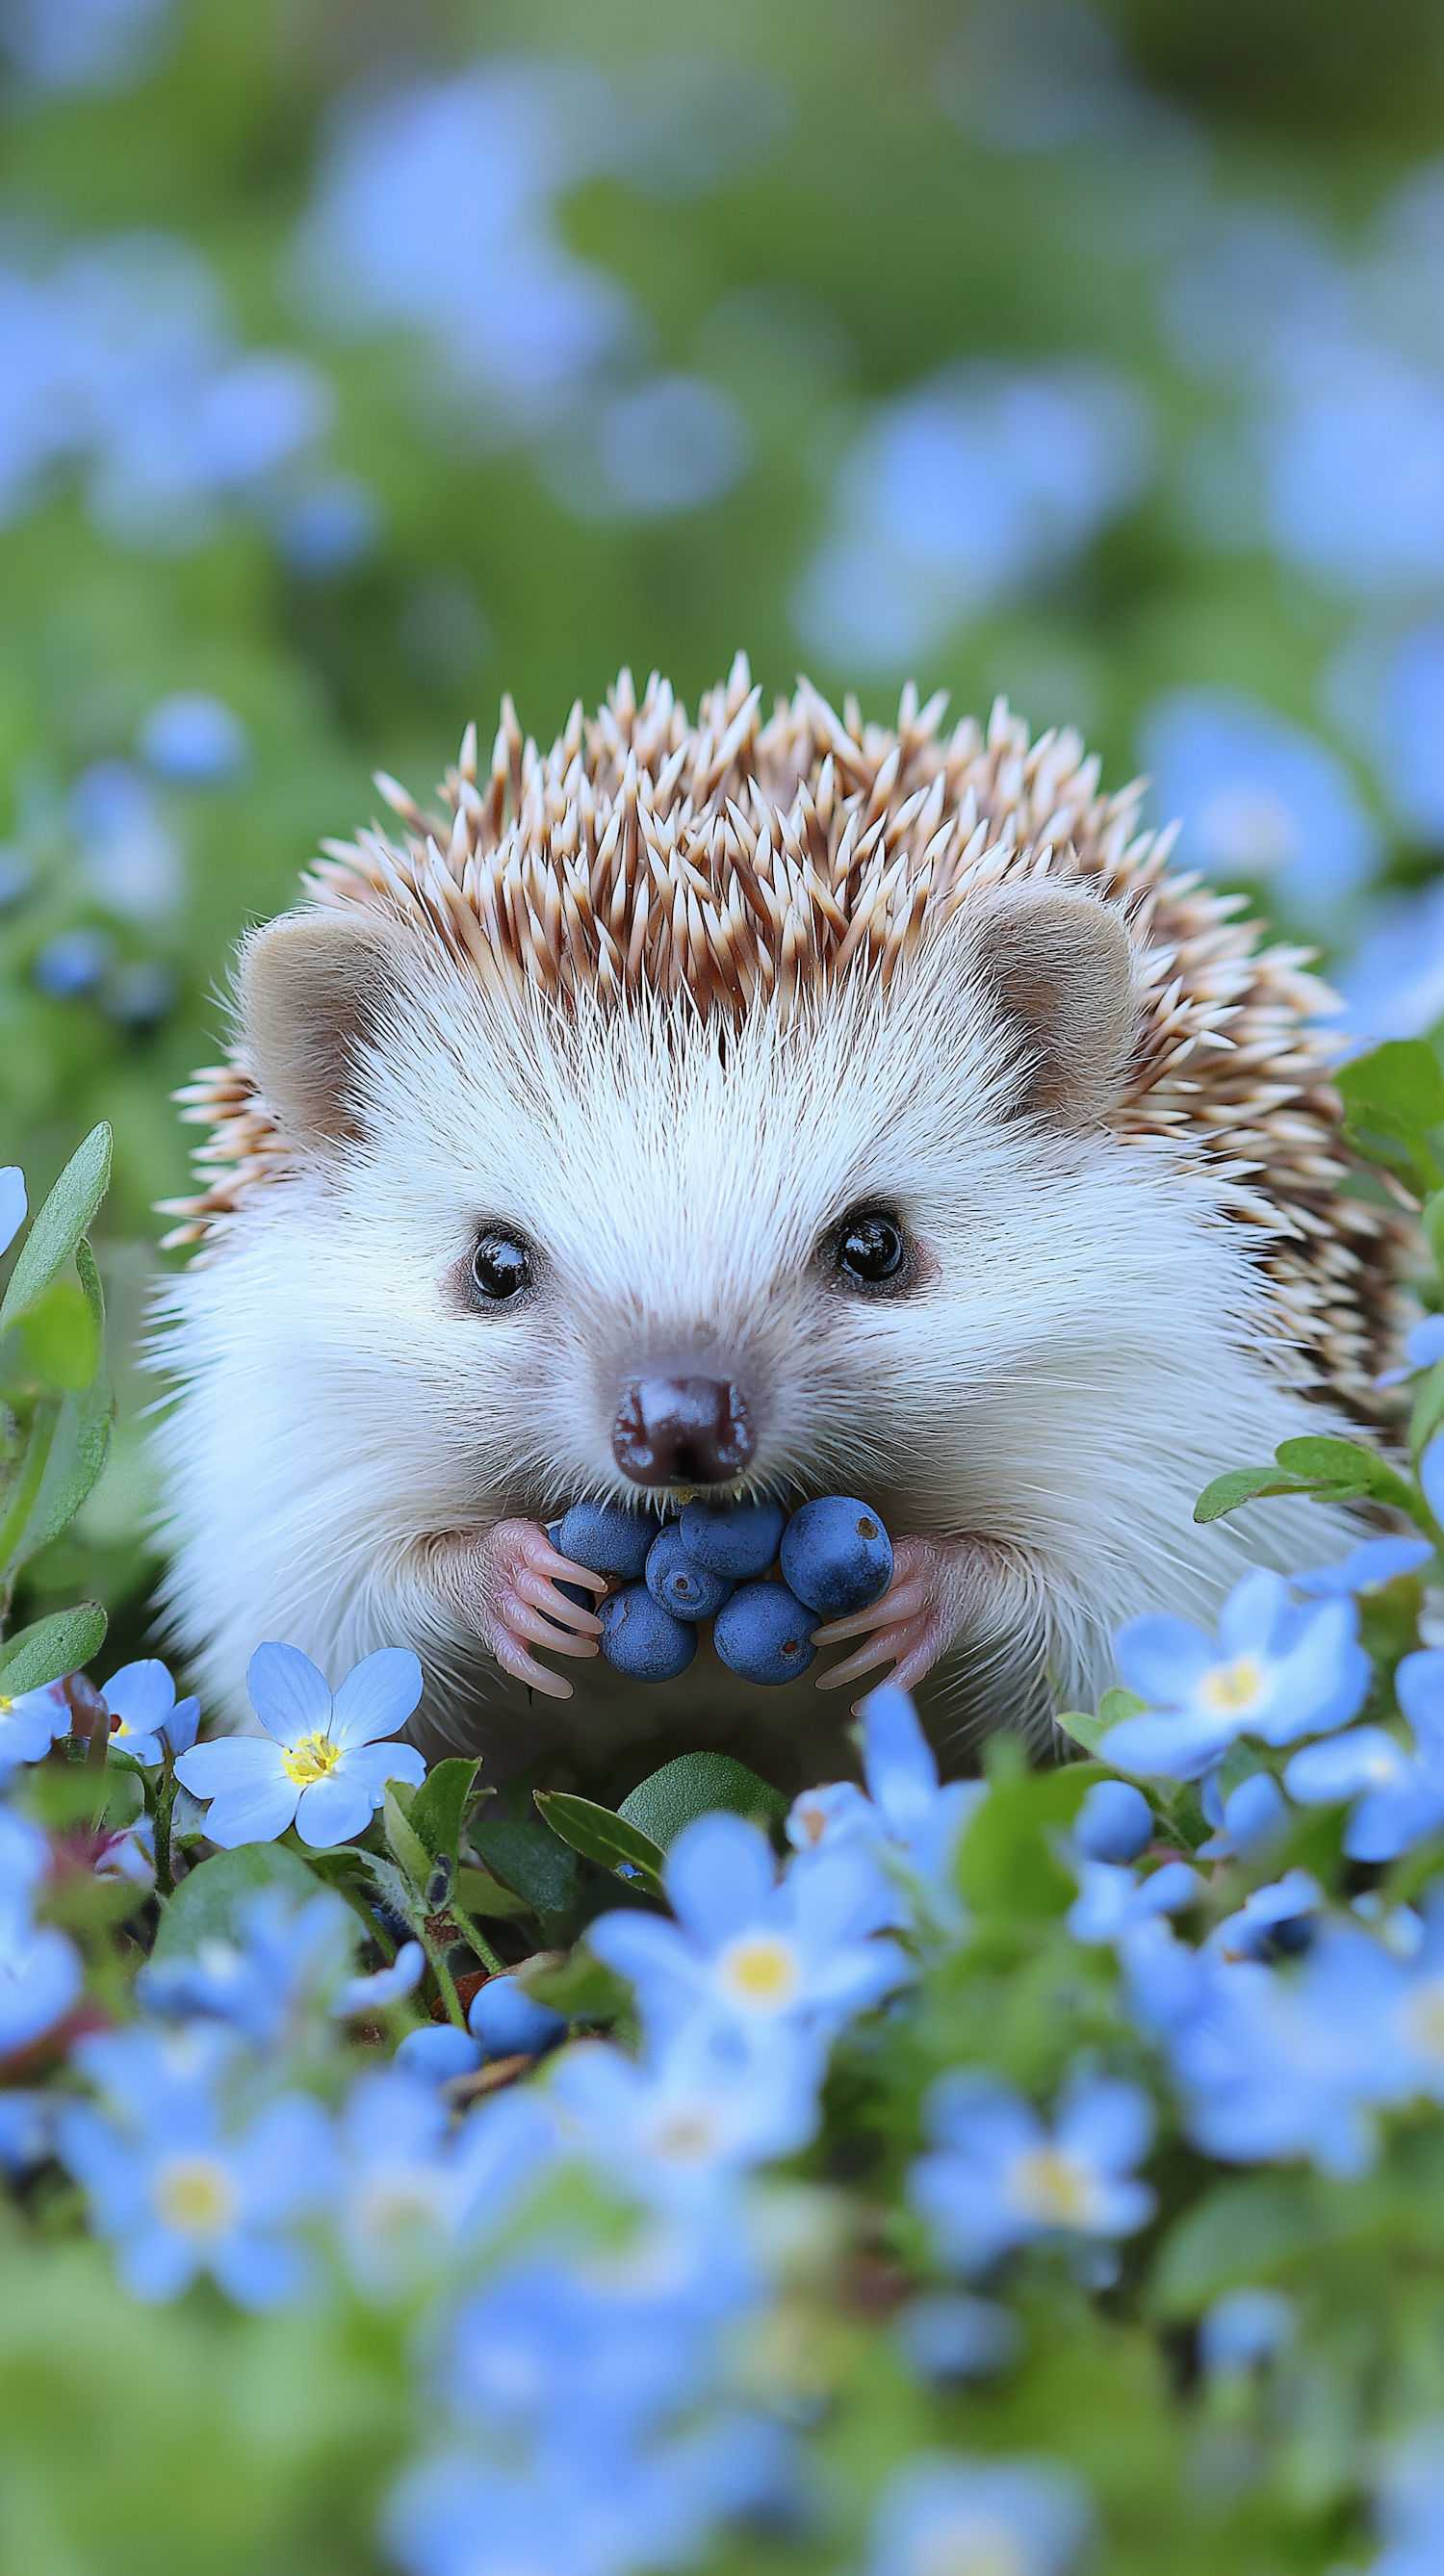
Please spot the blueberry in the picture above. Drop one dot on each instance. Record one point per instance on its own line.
(735, 1540)
(509, 2023)
(437, 2054)
(765, 1634)
(1115, 1822)
(577, 1592)
(836, 1555)
(678, 1582)
(607, 1537)
(642, 1639)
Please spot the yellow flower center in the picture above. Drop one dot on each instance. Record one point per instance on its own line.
(310, 1758)
(1054, 2188)
(195, 2195)
(1232, 1688)
(1424, 2019)
(967, 2544)
(761, 1971)
(813, 1820)
(685, 2137)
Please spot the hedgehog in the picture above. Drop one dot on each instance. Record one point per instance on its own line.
(772, 1105)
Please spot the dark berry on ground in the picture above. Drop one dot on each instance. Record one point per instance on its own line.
(764, 1633)
(737, 1540)
(508, 2023)
(680, 1584)
(836, 1555)
(607, 1537)
(642, 1639)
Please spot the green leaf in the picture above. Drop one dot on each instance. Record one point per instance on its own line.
(697, 1784)
(582, 1989)
(1343, 1465)
(61, 1342)
(1397, 1086)
(208, 1905)
(597, 1834)
(66, 1453)
(1242, 1485)
(528, 1859)
(1242, 2232)
(439, 1806)
(57, 1229)
(477, 1892)
(1428, 1410)
(406, 1844)
(51, 1648)
(1090, 1731)
(1005, 1866)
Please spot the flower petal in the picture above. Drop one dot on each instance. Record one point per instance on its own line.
(230, 1762)
(252, 1811)
(719, 1875)
(140, 1695)
(1167, 1747)
(13, 1204)
(1163, 1659)
(288, 1694)
(332, 1810)
(377, 1697)
(372, 1765)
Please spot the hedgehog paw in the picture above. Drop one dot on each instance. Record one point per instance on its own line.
(503, 1582)
(913, 1624)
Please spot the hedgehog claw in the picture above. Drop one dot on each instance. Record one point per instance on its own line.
(500, 1579)
(910, 1627)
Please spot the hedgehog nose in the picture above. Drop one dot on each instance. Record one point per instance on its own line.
(682, 1431)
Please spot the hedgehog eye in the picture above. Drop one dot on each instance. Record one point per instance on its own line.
(871, 1249)
(500, 1268)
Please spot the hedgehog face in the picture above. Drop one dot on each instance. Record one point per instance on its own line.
(528, 1217)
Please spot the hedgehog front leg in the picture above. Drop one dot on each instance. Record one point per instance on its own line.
(502, 1582)
(940, 1587)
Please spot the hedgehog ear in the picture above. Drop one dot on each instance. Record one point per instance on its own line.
(1058, 967)
(313, 986)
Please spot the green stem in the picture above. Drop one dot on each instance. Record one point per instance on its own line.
(484, 1951)
(164, 1804)
(445, 1980)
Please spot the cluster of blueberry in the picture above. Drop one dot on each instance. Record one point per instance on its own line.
(716, 1561)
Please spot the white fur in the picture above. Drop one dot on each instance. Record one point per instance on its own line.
(1088, 1347)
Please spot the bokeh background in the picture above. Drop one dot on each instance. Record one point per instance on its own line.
(362, 358)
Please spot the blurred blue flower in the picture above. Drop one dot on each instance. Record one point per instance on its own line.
(324, 524)
(747, 1950)
(1370, 1565)
(1282, 1672)
(1258, 796)
(398, 2200)
(997, 2177)
(1400, 1793)
(175, 2189)
(194, 739)
(30, 1723)
(72, 962)
(1393, 984)
(153, 1722)
(623, 2348)
(668, 444)
(371, 1994)
(701, 2110)
(1244, 1823)
(949, 2334)
(1112, 1900)
(1272, 1920)
(13, 1204)
(130, 858)
(40, 1971)
(978, 2517)
(290, 1964)
(320, 1764)
(1423, 1345)
(1431, 1474)
(1388, 693)
(83, 45)
(973, 486)
(1353, 451)
(1114, 1823)
(1243, 2328)
(1409, 2504)
(27, 2129)
(913, 1825)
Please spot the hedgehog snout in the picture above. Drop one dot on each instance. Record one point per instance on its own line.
(682, 1431)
